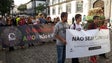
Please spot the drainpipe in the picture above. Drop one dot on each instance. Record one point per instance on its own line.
(110, 13)
(110, 10)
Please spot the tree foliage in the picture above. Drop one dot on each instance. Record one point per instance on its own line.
(22, 7)
(5, 6)
(40, 8)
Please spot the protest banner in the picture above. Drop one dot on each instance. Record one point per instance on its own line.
(87, 43)
(16, 35)
(38, 33)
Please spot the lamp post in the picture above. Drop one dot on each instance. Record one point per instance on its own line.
(12, 6)
(12, 10)
(34, 7)
(46, 7)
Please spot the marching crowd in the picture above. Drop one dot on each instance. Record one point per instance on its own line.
(26, 20)
(59, 30)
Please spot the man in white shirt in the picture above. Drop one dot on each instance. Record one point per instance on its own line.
(76, 26)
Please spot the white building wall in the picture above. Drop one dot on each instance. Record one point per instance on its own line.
(73, 9)
(39, 2)
(51, 14)
(63, 10)
(56, 11)
(64, 7)
(29, 5)
(107, 9)
(85, 7)
(73, 12)
(50, 2)
(111, 12)
(15, 10)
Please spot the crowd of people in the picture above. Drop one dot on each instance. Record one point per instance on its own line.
(25, 20)
(41, 18)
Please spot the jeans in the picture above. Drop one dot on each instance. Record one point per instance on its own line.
(61, 53)
(103, 55)
(75, 60)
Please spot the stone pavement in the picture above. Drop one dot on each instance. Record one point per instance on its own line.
(44, 53)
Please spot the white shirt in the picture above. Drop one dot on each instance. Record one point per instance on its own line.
(77, 26)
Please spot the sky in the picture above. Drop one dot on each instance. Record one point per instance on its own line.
(18, 2)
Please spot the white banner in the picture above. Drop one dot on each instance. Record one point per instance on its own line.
(87, 43)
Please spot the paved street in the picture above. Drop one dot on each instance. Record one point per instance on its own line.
(42, 53)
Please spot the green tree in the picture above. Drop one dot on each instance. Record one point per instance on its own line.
(40, 8)
(22, 7)
(5, 6)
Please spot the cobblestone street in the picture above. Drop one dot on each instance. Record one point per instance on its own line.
(44, 53)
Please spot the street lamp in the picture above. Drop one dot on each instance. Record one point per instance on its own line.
(34, 7)
(12, 10)
(12, 6)
(46, 7)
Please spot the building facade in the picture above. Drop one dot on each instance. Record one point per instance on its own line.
(14, 11)
(31, 6)
(78, 6)
(71, 6)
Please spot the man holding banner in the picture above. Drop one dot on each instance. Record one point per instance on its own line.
(76, 26)
(60, 35)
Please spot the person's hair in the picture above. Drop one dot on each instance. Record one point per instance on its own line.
(77, 16)
(95, 17)
(63, 14)
(102, 22)
(40, 14)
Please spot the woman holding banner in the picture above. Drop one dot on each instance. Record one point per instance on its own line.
(104, 26)
(94, 25)
(76, 26)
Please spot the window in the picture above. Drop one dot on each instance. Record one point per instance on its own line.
(68, 0)
(53, 2)
(59, 9)
(53, 10)
(79, 7)
(61, 1)
(68, 7)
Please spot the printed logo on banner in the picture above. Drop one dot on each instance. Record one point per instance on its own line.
(11, 36)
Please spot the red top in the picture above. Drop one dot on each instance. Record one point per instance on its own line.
(92, 26)
(103, 27)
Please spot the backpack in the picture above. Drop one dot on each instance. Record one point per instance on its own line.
(74, 26)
